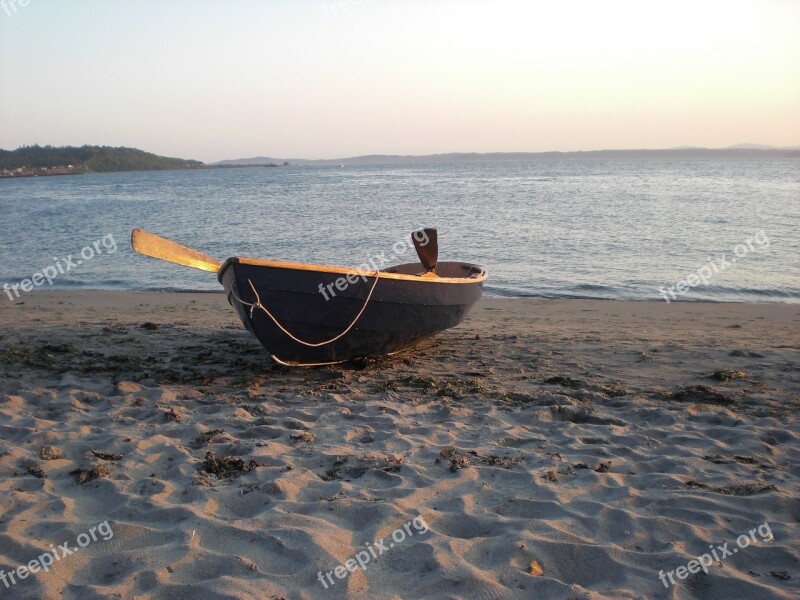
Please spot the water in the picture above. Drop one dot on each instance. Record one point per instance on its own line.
(617, 229)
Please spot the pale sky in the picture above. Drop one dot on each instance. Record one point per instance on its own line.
(221, 79)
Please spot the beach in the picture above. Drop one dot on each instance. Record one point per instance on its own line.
(565, 449)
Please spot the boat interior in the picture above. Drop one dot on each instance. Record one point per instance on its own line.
(443, 269)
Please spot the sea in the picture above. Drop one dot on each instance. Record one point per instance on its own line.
(722, 230)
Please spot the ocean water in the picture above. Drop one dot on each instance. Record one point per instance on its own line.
(589, 228)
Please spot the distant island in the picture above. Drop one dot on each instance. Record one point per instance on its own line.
(39, 161)
(687, 152)
(35, 161)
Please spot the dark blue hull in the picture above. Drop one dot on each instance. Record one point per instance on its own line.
(403, 308)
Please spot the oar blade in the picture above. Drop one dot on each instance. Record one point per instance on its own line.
(155, 246)
(426, 243)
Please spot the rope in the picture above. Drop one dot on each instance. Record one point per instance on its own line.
(257, 304)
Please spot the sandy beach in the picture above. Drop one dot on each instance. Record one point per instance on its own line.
(560, 449)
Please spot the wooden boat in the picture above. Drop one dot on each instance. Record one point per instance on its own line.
(307, 315)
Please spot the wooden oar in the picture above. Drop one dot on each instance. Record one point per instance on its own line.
(154, 246)
(429, 252)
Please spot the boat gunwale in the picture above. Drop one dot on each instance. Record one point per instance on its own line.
(481, 277)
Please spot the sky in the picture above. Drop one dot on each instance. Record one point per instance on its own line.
(214, 79)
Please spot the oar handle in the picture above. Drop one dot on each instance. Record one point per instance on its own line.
(155, 246)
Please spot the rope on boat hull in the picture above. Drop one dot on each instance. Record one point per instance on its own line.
(258, 304)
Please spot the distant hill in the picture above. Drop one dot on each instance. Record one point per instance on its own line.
(46, 160)
(688, 152)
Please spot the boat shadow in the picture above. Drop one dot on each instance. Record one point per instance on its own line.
(172, 354)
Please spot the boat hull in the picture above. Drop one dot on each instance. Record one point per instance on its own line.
(403, 307)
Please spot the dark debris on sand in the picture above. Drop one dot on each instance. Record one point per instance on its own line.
(49, 453)
(172, 415)
(699, 393)
(749, 488)
(106, 455)
(35, 471)
(564, 381)
(724, 375)
(344, 467)
(745, 353)
(86, 475)
(150, 363)
(724, 460)
(36, 357)
(209, 436)
(603, 467)
(551, 476)
(461, 459)
(227, 467)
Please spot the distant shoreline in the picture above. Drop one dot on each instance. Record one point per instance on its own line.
(128, 160)
(461, 157)
(25, 175)
(203, 167)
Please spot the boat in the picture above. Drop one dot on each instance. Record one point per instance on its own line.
(310, 315)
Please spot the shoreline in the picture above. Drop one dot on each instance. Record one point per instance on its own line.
(552, 448)
(90, 290)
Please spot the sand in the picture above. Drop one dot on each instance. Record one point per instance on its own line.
(543, 449)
